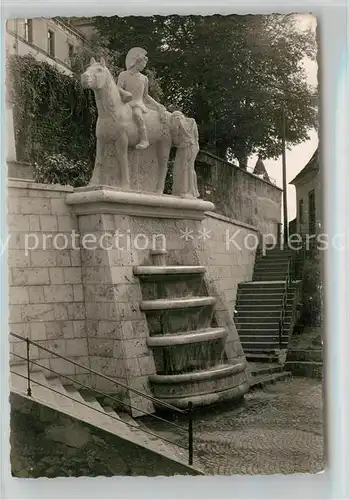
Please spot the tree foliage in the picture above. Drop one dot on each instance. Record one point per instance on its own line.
(231, 73)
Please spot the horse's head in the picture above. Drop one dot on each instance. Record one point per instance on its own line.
(96, 75)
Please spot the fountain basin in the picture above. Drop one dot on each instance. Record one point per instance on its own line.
(201, 387)
(208, 399)
(211, 373)
(187, 338)
(145, 271)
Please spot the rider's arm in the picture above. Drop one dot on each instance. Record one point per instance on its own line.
(125, 96)
(147, 99)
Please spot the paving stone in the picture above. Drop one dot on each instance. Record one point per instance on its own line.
(278, 430)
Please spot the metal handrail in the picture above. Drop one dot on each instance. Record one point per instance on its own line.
(95, 372)
(90, 370)
(99, 411)
(85, 386)
(284, 303)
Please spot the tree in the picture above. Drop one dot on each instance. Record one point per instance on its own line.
(80, 60)
(231, 73)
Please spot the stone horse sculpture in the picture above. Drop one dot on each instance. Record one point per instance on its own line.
(116, 127)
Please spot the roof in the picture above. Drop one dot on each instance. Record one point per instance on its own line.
(260, 169)
(311, 166)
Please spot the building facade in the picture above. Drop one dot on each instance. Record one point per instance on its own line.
(51, 40)
(309, 198)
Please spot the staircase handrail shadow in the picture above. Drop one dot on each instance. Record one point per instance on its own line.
(26, 359)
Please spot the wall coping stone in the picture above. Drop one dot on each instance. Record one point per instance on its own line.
(224, 218)
(105, 199)
(203, 153)
(28, 184)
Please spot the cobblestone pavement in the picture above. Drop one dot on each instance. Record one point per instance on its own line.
(277, 430)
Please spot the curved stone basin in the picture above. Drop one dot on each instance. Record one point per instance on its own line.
(187, 337)
(162, 304)
(153, 271)
(202, 387)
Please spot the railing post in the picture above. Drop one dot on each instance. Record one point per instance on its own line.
(190, 431)
(29, 391)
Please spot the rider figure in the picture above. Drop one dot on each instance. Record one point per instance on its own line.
(136, 83)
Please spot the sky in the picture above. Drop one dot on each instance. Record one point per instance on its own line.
(298, 156)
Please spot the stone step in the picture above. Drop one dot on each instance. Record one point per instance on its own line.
(263, 346)
(255, 369)
(260, 337)
(258, 307)
(266, 283)
(311, 369)
(263, 380)
(257, 285)
(62, 397)
(279, 294)
(92, 402)
(253, 320)
(261, 356)
(126, 417)
(258, 288)
(269, 277)
(273, 258)
(55, 397)
(255, 329)
(111, 411)
(263, 300)
(74, 393)
(270, 271)
(270, 266)
(278, 250)
(179, 303)
(38, 383)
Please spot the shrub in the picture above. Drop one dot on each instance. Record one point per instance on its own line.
(312, 291)
(58, 169)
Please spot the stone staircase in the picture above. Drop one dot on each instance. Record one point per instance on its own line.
(257, 314)
(83, 406)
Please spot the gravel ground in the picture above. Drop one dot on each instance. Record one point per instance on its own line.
(278, 430)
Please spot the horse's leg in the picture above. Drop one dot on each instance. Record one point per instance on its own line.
(121, 146)
(96, 174)
(163, 148)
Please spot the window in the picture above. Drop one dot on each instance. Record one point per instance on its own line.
(28, 30)
(312, 212)
(70, 50)
(300, 212)
(51, 43)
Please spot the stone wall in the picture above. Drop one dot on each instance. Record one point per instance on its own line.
(238, 194)
(56, 445)
(229, 255)
(85, 304)
(45, 284)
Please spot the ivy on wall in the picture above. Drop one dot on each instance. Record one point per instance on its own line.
(54, 117)
(53, 114)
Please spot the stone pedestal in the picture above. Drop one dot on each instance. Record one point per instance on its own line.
(143, 167)
(118, 232)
